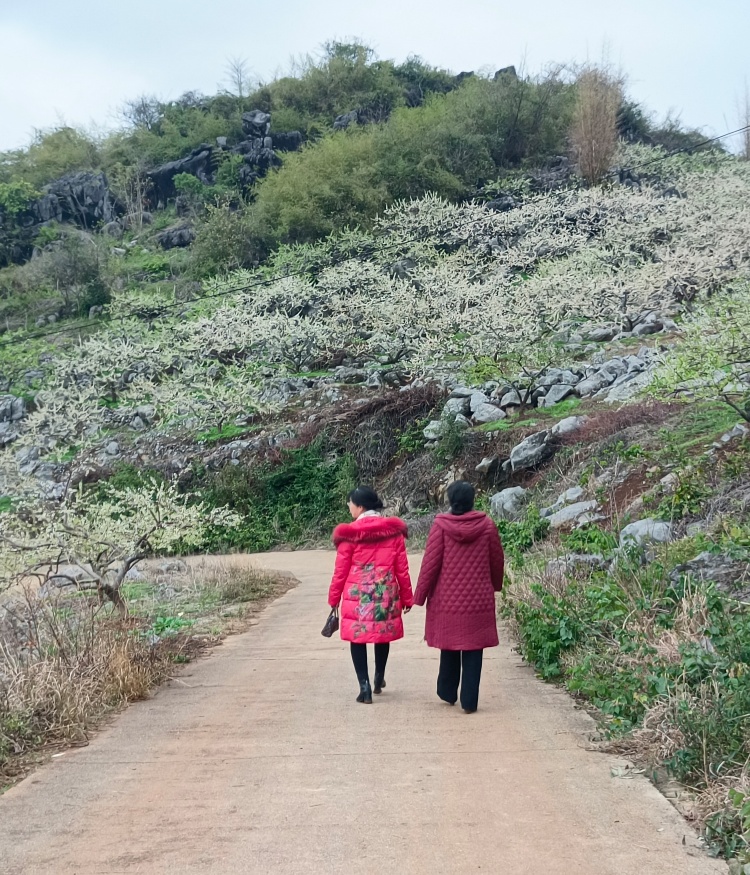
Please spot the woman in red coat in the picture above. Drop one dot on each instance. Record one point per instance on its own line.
(461, 571)
(372, 573)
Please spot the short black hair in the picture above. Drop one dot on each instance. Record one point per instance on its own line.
(366, 497)
(461, 497)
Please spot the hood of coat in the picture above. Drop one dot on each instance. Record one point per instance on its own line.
(464, 528)
(371, 528)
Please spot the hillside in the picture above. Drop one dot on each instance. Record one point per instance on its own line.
(580, 352)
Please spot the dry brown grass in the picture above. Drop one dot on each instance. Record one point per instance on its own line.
(65, 664)
(594, 132)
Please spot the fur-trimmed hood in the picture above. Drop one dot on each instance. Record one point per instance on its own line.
(371, 528)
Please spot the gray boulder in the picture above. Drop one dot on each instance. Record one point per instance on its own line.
(646, 328)
(573, 562)
(575, 493)
(594, 383)
(454, 406)
(83, 199)
(571, 513)
(12, 409)
(569, 425)
(601, 333)
(488, 465)
(729, 574)
(554, 395)
(8, 434)
(508, 504)
(531, 452)
(476, 399)
(511, 399)
(433, 430)
(176, 237)
(647, 531)
(256, 123)
(488, 413)
(628, 390)
(341, 122)
(199, 163)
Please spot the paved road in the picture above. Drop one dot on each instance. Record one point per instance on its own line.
(258, 760)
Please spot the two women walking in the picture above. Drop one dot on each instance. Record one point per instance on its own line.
(461, 571)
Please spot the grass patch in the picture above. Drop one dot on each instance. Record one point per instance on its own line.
(562, 408)
(506, 425)
(696, 426)
(226, 432)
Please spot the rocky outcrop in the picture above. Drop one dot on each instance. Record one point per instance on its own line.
(341, 122)
(82, 199)
(176, 237)
(258, 151)
(201, 163)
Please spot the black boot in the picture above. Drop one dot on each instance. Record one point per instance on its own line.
(365, 692)
(378, 683)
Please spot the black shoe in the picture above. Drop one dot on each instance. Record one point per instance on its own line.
(378, 683)
(365, 693)
(447, 701)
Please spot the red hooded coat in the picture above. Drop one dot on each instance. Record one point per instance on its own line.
(372, 573)
(461, 571)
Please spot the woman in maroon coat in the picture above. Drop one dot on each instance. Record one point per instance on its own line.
(461, 571)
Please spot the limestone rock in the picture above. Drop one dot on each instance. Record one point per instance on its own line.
(508, 504)
(488, 413)
(555, 394)
(569, 425)
(531, 452)
(646, 531)
(571, 513)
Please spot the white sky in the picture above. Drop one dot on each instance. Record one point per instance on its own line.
(78, 60)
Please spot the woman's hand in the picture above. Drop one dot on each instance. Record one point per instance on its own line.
(407, 609)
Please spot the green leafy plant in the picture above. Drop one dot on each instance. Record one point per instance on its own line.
(169, 626)
(589, 539)
(299, 497)
(519, 537)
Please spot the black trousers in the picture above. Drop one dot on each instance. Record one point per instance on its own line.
(359, 658)
(464, 666)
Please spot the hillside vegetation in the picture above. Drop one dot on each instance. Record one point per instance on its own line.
(430, 280)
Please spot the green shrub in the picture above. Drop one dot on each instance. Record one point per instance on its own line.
(225, 240)
(52, 154)
(589, 539)
(75, 267)
(323, 188)
(300, 497)
(519, 537)
(15, 197)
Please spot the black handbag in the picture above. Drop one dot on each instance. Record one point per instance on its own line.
(332, 624)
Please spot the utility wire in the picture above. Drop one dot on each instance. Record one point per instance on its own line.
(335, 263)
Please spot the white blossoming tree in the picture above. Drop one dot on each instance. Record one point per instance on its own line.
(712, 361)
(95, 543)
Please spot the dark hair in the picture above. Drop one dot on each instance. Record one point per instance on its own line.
(366, 497)
(461, 497)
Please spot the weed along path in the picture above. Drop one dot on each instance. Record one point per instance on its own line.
(258, 760)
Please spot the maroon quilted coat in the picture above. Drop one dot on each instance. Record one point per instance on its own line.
(461, 571)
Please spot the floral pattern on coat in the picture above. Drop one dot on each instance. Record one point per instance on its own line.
(377, 594)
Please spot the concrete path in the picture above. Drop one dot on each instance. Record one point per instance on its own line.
(258, 760)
